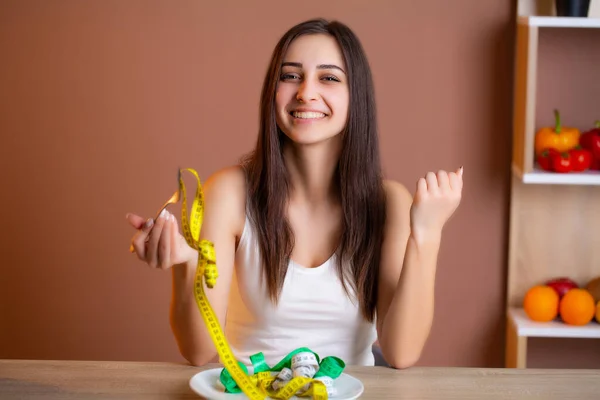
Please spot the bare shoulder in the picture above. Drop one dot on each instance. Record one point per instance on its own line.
(230, 179)
(225, 195)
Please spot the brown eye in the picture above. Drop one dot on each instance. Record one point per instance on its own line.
(285, 77)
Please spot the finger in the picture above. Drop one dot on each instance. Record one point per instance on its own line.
(154, 237)
(443, 180)
(456, 181)
(175, 236)
(164, 243)
(139, 239)
(135, 220)
(459, 180)
(421, 187)
(432, 183)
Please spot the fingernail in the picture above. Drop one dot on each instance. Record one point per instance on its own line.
(148, 223)
(461, 170)
(127, 216)
(163, 213)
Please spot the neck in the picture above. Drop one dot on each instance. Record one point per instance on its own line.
(311, 170)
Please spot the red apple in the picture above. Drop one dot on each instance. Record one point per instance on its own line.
(562, 285)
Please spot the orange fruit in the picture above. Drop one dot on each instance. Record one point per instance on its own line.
(541, 303)
(577, 307)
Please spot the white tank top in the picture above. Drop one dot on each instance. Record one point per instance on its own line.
(313, 311)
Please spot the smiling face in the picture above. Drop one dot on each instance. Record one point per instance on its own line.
(312, 93)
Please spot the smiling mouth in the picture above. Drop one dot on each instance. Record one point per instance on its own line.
(307, 114)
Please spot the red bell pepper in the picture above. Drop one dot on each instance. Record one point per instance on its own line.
(581, 159)
(562, 162)
(545, 159)
(590, 140)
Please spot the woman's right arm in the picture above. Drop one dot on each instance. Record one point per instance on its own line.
(224, 215)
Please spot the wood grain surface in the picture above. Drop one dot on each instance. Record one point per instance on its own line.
(50, 380)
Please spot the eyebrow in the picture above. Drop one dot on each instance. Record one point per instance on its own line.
(320, 66)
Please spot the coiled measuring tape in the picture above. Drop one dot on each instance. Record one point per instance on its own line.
(259, 385)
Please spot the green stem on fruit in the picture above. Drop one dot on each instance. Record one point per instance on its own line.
(557, 126)
(597, 124)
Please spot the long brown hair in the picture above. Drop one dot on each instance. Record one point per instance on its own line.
(358, 175)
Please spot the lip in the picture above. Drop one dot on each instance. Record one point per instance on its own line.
(304, 121)
(302, 109)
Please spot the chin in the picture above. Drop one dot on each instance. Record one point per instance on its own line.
(310, 133)
(309, 138)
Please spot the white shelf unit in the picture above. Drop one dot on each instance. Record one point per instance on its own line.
(520, 328)
(526, 75)
(553, 216)
(540, 176)
(524, 326)
(559, 22)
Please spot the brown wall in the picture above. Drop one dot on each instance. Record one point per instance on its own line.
(102, 100)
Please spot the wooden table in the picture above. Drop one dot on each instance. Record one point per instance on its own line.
(28, 379)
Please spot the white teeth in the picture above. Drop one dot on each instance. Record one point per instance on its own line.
(308, 115)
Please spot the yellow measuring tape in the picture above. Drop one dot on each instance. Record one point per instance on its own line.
(258, 385)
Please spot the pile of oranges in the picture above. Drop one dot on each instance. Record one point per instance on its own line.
(577, 306)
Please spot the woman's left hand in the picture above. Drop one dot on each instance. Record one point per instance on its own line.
(436, 198)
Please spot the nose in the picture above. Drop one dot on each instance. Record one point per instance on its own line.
(307, 91)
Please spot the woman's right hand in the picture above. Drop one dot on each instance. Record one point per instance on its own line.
(159, 243)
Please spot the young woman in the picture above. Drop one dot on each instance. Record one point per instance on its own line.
(314, 248)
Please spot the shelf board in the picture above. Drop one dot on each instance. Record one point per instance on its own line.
(560, 22)
(552, 329)
(540, 176)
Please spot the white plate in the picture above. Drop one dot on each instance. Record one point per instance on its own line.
(207, 384)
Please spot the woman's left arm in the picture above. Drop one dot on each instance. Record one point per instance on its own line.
(410, 249)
